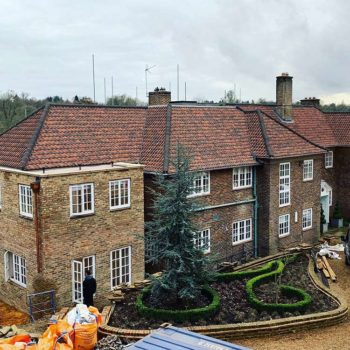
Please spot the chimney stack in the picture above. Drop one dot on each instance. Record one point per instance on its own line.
(284, 91)
(159, 97)
(310, 102)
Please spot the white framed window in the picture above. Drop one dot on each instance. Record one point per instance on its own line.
(308, 170)
(284, 184)
(242, 177)
(307, 219)
(79, 266)
(202, 240)
(201, 184)
(241, 231)
(120, 266)
(284, 225)
(81, 199)
(328, 160)
(119, 194)
(25, 201)
(15, 268)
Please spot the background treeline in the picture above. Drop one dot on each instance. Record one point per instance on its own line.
(15, 107)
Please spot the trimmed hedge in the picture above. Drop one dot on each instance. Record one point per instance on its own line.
(285, 290)
(179, 315)
(229, 276)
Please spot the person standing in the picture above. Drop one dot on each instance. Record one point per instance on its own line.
(89, 288)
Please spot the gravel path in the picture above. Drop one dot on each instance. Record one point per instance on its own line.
(329, 338)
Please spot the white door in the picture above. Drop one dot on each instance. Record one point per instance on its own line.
(78, 272)
(77, 281)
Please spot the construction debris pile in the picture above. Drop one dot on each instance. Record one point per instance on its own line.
(321, 265)
(10, 331)
(78, 331)
(117, 294)
(112, 342)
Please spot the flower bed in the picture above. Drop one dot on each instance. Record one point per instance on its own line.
(235, 307)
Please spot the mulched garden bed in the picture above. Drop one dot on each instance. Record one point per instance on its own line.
(234, 305)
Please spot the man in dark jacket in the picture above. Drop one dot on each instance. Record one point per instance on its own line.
(89, 288)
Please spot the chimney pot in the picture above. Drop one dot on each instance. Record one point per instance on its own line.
(310, 101)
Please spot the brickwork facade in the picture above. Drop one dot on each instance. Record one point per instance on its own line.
(66, 238)
(303, 195)
(342, 177)
(222, 206)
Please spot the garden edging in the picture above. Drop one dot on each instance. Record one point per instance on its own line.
(249, 329)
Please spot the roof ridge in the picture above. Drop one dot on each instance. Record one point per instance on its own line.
(21, 121)
(78, 105)
(264, 134)
(293, 131)
(32, 142)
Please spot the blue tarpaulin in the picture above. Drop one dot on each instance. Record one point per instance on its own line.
(172, 338)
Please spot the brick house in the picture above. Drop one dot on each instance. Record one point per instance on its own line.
(262, 174)
(71, 201)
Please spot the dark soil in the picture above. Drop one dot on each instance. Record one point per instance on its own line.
(234, 305)
(170, 304)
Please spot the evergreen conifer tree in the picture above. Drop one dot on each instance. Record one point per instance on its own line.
(186, 269)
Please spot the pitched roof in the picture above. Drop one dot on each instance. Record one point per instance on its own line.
(154, 138)
(68, 135)
(15, 143)
(308, 121)
(340, 124)
(217, 136)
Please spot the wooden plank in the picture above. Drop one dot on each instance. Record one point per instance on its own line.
(319, 263)
(330, 270)
(325, 271)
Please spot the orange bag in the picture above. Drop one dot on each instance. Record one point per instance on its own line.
(8, 347)
(85, 335)
(56, 337)
(15, 339)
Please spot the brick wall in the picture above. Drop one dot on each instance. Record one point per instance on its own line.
(219, 220)
(342, 171)
(304, 195)
(66, 239)
(17, 235)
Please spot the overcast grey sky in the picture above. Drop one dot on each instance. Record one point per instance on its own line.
(46, 46)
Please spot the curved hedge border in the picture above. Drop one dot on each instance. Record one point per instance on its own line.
(286, 290)
(229, 276)
(179, 315)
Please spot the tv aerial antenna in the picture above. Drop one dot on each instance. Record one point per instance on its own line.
(147, 70)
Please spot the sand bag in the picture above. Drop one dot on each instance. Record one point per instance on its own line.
(57, 337)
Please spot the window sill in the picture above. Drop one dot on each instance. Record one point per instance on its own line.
(329, 167)
(77, 216)
(15, 283)
(30, 218)
(241, 242)
(284, 235)
(307, 228)
(284, 205)
(119, 209)
(198, 195)
(241, 188)
(307, 180)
